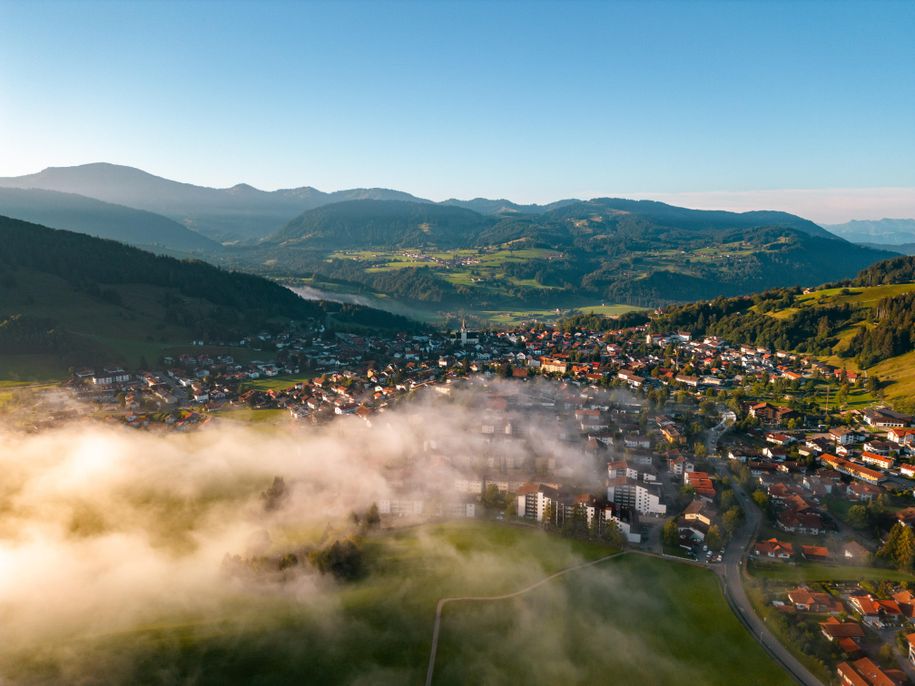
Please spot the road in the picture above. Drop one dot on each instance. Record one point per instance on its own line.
(731, 573)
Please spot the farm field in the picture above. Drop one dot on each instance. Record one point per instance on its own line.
(274, 383)
(483, 267)
(608, 619)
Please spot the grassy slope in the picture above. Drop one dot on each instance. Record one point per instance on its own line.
(825, 572)
(899, 371)
(642, 620)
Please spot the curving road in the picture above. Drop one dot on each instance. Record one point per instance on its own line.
(730, 571)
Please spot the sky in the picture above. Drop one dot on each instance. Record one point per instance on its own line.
(800, 105)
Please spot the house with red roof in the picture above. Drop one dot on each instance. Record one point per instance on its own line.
(774, 549)
(864, 672)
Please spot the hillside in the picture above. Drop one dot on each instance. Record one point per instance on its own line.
(608, 249)
(104, 220)
(488, 255)
(866, 323)
(70, 299)
(376, 223)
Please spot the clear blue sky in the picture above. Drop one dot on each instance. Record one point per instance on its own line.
(532, 101)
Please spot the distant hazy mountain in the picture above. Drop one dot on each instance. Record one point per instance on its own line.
(97, 218)
(662, 214)
(502, 206)
(881, 231)
(241, 212)
(902, 248)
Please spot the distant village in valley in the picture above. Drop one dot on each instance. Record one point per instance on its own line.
(669, 435)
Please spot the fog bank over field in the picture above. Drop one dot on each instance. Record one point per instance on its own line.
(104, 528)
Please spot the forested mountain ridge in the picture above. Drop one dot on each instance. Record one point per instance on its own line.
(394, 244)
(240, 212)
(610, 249)
(77, 299)
(383, 223)
(81, 214)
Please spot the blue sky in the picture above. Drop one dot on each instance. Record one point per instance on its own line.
(531, 101)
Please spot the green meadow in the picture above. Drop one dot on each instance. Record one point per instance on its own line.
(639, 619)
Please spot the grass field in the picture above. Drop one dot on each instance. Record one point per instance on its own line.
(276, 383)
(514, 317)
(825, 572)
(483, 268)
(638, 619)
(869, 295)
(900, 373)
(247, 415)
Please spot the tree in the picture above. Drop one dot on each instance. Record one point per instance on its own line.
(670, 532)
(549, 515)
(372, 517)
(713, 538)
(857, 517)
(888, 550)
(760, 498)
(492, 498)
(731, 520)
(699, 450)
(342, 559)
(905, 548)
(613, 535)
(275, 495)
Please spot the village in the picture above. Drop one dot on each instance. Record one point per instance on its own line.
(669, 430)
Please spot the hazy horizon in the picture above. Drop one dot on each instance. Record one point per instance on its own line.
(532, 103)
(822, 205)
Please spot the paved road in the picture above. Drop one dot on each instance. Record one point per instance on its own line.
(730, 571)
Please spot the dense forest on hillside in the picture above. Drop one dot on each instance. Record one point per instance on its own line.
(892, 333)
(895, 270)
(88, 263)
(809, 330)
(789, 319)
(80, 298)
(608, 249)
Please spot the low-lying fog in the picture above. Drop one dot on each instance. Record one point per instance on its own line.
(103, 528)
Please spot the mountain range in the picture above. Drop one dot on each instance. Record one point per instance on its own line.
(239, 213)
(877, 231)
(488, 253)
(606, 249)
